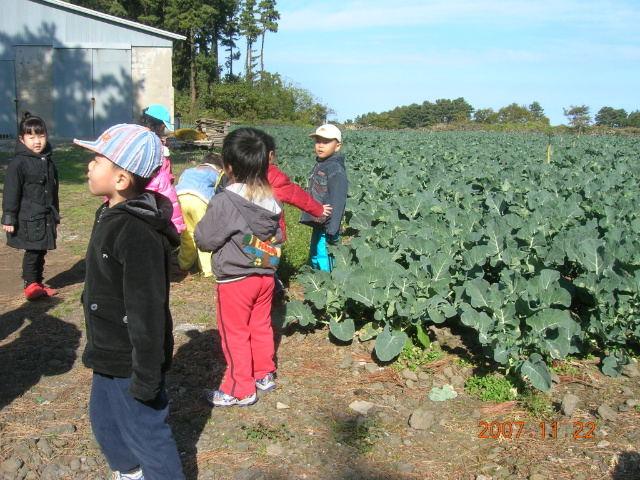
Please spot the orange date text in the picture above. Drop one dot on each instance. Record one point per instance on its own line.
(542, 430)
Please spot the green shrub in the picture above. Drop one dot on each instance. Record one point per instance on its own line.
(491, 388)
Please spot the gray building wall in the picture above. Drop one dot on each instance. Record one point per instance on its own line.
(81, 71)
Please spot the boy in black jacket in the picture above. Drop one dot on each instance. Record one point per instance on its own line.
(126, 304)
(328, 184)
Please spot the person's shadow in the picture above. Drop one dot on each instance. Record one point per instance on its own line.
(33, 344)
(72, 276)
(198, 365)
(628, 466)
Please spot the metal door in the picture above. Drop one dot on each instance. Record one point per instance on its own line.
(34, 81)
(112, 88)
(8, 118)
(72, 83)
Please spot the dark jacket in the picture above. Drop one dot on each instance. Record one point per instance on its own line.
(328, 184)
(245, 238)
(126, 292)
(30, 199)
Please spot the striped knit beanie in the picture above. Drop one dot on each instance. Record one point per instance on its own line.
(132, 147)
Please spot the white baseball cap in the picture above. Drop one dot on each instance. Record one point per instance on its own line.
(328, 131)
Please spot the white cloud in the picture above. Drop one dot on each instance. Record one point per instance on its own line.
(450, 58)
(341, 16)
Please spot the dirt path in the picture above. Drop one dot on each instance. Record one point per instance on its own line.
(335, 414)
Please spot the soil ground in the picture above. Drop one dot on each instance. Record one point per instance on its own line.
(335, 413)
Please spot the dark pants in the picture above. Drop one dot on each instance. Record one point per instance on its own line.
(133, 434)
(33, 266)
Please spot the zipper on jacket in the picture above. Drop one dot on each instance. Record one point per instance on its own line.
(101, 213)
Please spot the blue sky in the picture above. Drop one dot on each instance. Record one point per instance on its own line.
(369, 56)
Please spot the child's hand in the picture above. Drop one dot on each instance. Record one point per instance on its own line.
(7, 228)
(326, 210)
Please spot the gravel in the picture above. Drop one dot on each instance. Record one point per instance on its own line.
(335, 414)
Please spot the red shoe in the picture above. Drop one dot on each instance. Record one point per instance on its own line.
(33, 291)
(50, 291)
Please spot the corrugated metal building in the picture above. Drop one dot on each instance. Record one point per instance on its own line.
(80, 70)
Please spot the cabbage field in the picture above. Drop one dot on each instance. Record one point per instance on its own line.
(538, 254)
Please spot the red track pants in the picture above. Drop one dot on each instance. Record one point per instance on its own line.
(244, 322)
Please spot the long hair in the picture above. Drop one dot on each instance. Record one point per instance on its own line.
(31, 125)
(245, 151)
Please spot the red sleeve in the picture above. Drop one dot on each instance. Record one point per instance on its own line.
(288, 192)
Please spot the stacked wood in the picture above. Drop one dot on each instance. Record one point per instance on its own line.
(215, 130)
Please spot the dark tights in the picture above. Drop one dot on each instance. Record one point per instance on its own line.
(33, 266)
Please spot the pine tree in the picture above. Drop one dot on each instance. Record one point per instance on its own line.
(250, 29)
(268, 17)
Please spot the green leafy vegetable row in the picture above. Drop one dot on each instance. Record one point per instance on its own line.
(541, 259)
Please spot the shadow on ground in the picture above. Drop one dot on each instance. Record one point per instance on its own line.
(628, 467)
(198, 365)
(72, 276)
(34, 344)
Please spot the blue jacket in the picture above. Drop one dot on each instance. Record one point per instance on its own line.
(328, 184)
(199, 181)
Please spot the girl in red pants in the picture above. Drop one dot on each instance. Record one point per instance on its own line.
(241, 228)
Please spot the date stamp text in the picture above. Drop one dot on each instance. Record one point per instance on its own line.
(542, 430)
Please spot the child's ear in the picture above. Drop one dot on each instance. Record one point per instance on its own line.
(123, 181)
(338, 147)
(228, 171)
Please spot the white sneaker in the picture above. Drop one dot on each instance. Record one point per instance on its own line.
(218, 398)
(137, 475)
(267, 383)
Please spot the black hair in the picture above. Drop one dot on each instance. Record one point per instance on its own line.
(246, 152)
(214, 159)
(269, 142)
(31, 125)
(138, 183)
(152, 123)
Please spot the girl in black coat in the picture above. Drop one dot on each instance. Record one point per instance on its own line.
(30, 206)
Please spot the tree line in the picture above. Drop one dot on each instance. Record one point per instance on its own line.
(580, 116)
(206, 76)
(459, 111)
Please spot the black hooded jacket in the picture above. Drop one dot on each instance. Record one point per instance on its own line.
(30, 199)
(126, 292)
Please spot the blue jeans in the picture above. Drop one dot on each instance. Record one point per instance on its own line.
(133, 434)
(321, 259)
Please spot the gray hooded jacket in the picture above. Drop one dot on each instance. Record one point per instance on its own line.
(245, 237)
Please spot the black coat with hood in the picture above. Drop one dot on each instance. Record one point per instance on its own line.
(328, 184)
(126, 292)
(30, 199)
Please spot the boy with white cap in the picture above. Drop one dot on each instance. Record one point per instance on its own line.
(126, 306)
(328, 184)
